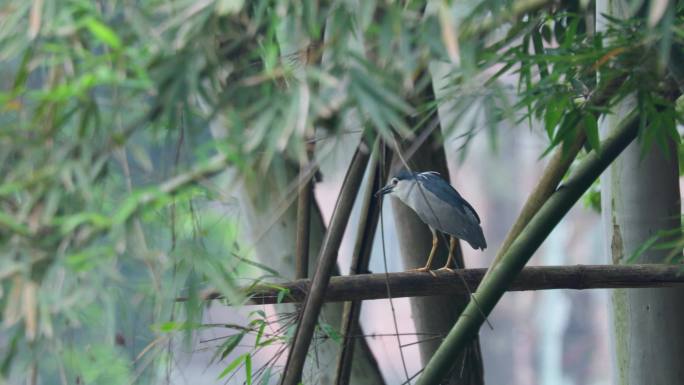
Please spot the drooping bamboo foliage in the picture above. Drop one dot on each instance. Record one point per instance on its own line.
(522, 249)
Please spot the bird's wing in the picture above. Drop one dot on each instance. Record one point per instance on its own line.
(432, 181)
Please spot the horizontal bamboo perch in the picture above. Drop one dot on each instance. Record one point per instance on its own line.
(415, 284)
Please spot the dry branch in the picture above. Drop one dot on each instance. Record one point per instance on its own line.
(413, 284)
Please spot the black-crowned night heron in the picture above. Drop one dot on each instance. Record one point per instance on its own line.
(441, 207)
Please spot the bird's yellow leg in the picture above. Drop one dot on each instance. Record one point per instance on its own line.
(452, 248)
(427, 266)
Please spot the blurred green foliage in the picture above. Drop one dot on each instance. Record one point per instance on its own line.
(114, 117)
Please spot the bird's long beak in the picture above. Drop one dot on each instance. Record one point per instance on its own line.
(384, 190)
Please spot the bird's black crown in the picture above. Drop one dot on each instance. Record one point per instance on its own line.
(405, 174)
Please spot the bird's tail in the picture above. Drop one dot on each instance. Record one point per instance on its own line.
(477, 239)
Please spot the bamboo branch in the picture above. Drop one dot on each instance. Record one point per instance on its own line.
(368, 223)
(553, 174)
(328, 256)
(522, 249)
(304, 214)
(416, 284)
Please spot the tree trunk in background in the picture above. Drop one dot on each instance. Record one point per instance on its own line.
(640, 196)
(433, 314)
(274, 247)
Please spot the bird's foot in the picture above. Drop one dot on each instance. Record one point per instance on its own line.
(423, 269)
(446, 268)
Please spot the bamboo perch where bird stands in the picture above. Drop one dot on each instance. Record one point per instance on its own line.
(415, 284)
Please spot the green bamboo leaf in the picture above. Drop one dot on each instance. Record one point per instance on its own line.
(259, 313)
(592, 131)
(310, 8)
(260, 333)
(266, 377)
(559, 30)
(539, 51)
(248, 368)
(11, 352)
(141, 157)
(372, 110)
(69, 222)
(102, 32)
(89, 258)
(570, 33)
(554, 113)
(174, 326)
(381, 93)
(546, 33)
(230, 344)
(12, 224)
(226, 7)
(231, 367)
(8, 188)
(24, 71)
(330, 331)
(281, 294)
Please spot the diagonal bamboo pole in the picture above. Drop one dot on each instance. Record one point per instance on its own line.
(503, 274)
(554, 172)
(368, 222)
(328, 256)
(304, 198)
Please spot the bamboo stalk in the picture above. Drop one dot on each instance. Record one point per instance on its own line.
(504, 273)
(326, 261)
(368, 222)
(305, 195)
(554, 172)
(552, 176)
